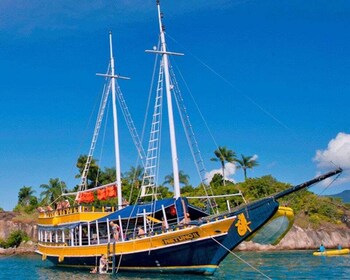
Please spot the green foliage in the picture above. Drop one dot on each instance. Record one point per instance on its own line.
(255, 188)
(27, 202)
(246, 162)
(183, 179)
(25, 196)
(309, 208)
(15, 239)
(222, 155)
(93, 173)
(52, 190)
(3, 243)
(217, 180)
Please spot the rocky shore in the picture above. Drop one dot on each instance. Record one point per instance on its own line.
(304, 239)
(25, 248)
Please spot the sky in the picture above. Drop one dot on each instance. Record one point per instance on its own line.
(271, 79)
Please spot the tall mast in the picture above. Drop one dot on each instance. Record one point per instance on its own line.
(115, 124)
(170, 106)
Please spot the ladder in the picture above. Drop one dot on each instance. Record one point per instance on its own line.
(111, 258)
(151, 164)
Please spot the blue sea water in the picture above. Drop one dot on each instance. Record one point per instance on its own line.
(241, 265)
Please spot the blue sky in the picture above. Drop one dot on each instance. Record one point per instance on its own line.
(270, 77)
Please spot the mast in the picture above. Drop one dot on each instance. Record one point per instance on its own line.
(115, 125)
(170, 107)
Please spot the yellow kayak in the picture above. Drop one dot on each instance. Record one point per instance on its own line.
(333, 252)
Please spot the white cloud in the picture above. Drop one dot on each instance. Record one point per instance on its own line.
(336, 154)
(230, 170)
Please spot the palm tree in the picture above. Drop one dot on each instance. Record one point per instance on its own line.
(245, 163)
(107, 176)
(25, 195)
(183, 178)
(135, 175)
(93, 173)
(52, 190)
(224, 155)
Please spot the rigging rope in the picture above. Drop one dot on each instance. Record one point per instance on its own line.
(240, 92)
(238, 257)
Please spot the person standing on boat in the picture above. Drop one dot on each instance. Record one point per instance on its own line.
(115, 230)
(322, 248)
(339, 247)
(186, 220)
(141, 232)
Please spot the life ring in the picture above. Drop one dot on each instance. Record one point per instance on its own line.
(172, 210)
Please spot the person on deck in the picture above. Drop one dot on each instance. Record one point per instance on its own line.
(66, 204)
(115, 230)
(322, 248)
(164, 225)
(339, 247)
(186, 220)
(140, 232)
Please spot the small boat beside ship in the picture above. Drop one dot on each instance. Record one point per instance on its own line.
(333, 252)
(155, 234)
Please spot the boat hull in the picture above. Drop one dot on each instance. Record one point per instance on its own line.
(276, 228)
(334, 252)
(198, 248)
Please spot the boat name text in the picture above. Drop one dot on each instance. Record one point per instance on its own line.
(181, 238)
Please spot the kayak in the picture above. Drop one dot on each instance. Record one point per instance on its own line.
(333, 252)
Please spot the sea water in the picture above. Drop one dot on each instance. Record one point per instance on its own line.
(240, 265)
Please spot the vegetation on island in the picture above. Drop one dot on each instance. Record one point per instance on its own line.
(14, 240)
(310, 210)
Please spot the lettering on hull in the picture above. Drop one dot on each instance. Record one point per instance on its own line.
(181, 238)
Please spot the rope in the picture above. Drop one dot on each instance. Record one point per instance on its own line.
(238, 257)
(240, 92)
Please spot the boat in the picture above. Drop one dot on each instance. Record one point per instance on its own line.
(155, 234)
(334, 252)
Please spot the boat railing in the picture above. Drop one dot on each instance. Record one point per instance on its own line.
(129, 235)
(75, 210)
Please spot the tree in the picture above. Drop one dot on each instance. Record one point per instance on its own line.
(217, 180)
(94, 170)
(134, 175)
(25, 195)
(245, 163)
(15, 238)
(52, 190)
(224, 155)
(183, 178)
(107, 176)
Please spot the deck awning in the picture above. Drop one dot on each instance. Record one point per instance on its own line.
(134, 211)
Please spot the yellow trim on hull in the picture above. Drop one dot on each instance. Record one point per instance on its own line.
(171, 238)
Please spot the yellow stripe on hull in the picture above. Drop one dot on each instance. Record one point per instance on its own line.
(171, 238)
